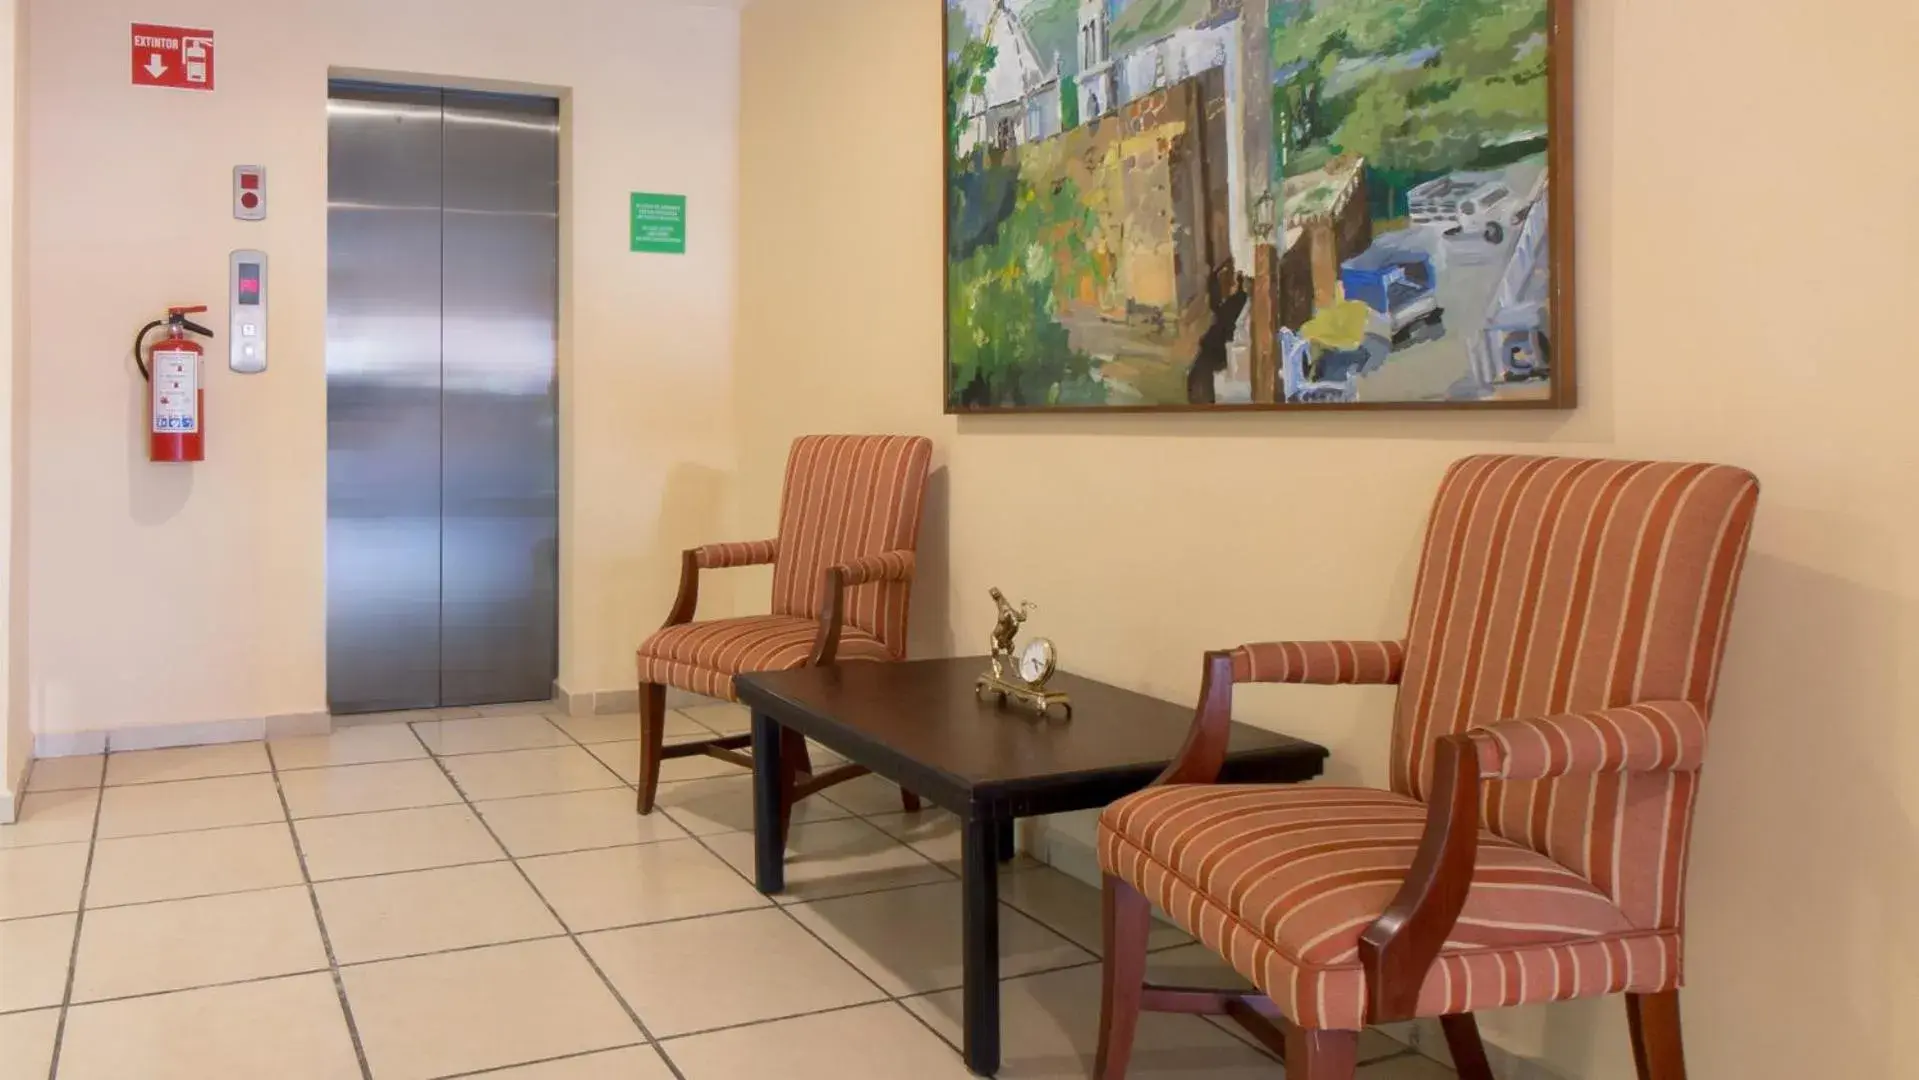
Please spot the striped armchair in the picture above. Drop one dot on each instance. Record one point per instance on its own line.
(1555, 685)
(842, 578)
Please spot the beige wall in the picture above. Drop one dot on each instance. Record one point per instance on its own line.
(167, 594)
(16, 737)
(1747, 181)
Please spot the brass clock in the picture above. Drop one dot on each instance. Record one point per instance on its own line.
(1020, 675)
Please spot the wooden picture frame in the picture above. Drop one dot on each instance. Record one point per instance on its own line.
(1108, 258)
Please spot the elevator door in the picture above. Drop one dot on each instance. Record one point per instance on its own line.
(442, 457)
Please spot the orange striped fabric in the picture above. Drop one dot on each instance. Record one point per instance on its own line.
(1550, 586)
(848, 497)
(886, 566)
(1323, 662)
(703, 657)
(1638, 738)
(724, 556)
(1282, 881)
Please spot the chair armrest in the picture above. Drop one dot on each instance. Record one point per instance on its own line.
(1655, 736)
(713, 557)
(1326, 663)
(886, 566)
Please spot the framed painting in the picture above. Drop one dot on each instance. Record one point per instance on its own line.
(1258, 204)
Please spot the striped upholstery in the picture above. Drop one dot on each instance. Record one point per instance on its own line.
(1570, 614)
(703, 657)
(851, 502)
(1322, 662)
(1282, 880)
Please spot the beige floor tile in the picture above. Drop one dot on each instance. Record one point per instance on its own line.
(624, 758)
(529, 772)
(490, 734)
(52, 817)
(836, 858)
(872, 1042)
(724, 717)
(288, 1029)
(1373, 1045)
(594, 890)
(33, 962)
(1404, 1066)
(403, 716)
(187, 763)
(63, 773)
(146, 809)
(705, 807)
(1049, 1030)
(574, 821)
(28, 1042)
(43, 880)
(690, 976)
(178, 865)
(425, 911)
(347, 746)
(908, 940)
(516, 708)
(936, 834)
(482, 1008)
(391, 841)
(355, 789)
(632, 1063)
(867, 794)
(1071, 907)
(181, 944)
(625, 727)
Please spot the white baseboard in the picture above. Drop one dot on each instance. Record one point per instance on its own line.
(613, 702)
(52, 744)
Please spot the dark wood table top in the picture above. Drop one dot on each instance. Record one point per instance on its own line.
(920, 723)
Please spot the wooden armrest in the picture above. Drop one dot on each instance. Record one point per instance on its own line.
(1204, 755)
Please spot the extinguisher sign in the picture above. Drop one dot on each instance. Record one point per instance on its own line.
(173, 56)
(176, 391)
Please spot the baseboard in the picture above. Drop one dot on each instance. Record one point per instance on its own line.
(13, 794)
(48, 744)
(615, 702)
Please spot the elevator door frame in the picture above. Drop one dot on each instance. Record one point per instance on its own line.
(443, 547)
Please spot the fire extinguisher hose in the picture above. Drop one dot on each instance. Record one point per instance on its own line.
(140, 347)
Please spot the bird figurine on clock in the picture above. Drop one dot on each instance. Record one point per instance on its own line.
(1019, 675)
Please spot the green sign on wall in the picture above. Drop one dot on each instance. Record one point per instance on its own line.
(659, 223)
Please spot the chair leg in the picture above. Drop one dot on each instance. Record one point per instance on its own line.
(652, 741)
(1126, 919)
(1321, 1055)
(1469, 1053)
(1657, 1047)
(910, 801)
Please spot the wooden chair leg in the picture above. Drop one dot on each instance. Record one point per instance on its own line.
(1126, 919)
(1321, 1055)
(910, 801)
(1469, 1053)
(652, 741)
(1657, 1047)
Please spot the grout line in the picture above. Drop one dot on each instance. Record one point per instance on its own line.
(79, 924)
(319, 918)
(638, 1024)
(250, 980)
(494, 1070)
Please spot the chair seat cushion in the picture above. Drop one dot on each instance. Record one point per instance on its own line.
(1282, 880)
(703, 657)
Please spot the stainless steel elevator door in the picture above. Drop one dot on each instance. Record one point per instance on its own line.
(442, 459)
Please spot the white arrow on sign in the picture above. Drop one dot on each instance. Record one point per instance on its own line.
(156, 66)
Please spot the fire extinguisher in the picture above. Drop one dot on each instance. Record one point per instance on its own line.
(176, 380)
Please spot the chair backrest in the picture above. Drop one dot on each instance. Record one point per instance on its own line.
(847, 496)
(1556, 585)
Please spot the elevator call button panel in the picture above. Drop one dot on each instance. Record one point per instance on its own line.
(250, 192)
(247, 312)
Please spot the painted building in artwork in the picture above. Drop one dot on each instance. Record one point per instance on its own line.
(1021, 102)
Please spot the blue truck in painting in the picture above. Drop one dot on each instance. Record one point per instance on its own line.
(1399, 284)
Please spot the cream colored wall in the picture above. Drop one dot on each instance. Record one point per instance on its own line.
(178, 594)
(16, 739)
(1747, 181)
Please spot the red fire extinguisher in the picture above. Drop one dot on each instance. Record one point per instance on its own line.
(176, 380)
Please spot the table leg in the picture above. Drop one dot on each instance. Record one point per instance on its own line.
(769, 852)
(979, 855)
(1008, 841)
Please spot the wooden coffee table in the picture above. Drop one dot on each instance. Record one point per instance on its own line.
(920, 725)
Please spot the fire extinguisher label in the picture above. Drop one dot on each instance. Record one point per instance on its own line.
(176, 392)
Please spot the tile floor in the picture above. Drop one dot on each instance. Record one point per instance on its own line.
(469, 894)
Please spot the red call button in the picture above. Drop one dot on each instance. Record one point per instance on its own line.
(249, 200)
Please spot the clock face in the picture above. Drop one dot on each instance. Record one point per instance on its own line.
(1036, 661)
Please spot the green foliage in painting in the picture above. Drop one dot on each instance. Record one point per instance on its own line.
(966, 72)
(1006, 344)
(1053, 26)
(1416, 87)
